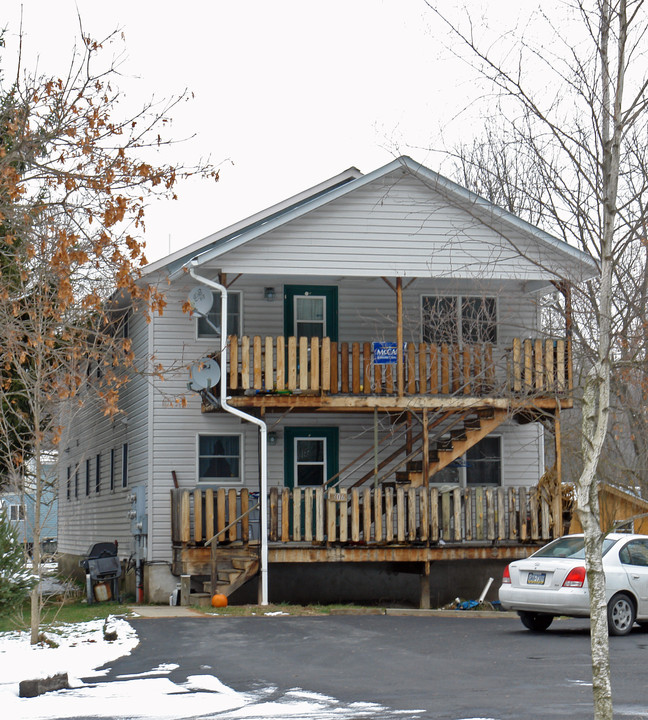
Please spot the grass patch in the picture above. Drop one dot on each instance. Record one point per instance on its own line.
(54, 613)
(285, 608)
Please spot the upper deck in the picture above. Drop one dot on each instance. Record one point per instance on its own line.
(314, 373)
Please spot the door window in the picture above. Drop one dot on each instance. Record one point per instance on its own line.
(310, 317)
(310, 461)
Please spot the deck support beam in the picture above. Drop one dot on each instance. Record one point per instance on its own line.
(424, 601)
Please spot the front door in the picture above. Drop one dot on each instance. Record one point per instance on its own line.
(311, 311)
(310, 455)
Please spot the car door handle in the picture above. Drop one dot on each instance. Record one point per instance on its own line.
(636, 577)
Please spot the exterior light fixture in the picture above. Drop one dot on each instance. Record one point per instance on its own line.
(269, 294)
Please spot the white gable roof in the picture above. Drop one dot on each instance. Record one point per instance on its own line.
(402, 219)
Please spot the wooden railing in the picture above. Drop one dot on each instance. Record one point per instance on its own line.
(370, 516)
(280, 365)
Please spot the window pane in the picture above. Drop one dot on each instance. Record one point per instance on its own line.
(310, 451)
(440, 319)
(309, 308)
(483, 463)
(310, 475)
(214, 315)
(478, 320)
(219, 457)
(309, 316)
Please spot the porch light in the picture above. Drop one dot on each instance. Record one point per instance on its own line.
(269, 294)
(272, 438)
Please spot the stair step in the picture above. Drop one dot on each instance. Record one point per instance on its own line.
(415, 466)
(202, 599)
(444, 445)
(242, 563)
(458, 434)
(228, 576)
(220, 586)
(472, 423)
(486, 413)
(402, 476)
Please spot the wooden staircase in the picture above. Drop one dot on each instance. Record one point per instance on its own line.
(452, 444)
(235, 565)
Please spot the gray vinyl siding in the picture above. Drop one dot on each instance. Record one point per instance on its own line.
(366, 309)
(103, 516)
(393, 226)
(366, 312)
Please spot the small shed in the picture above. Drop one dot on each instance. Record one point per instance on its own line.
(617, 505)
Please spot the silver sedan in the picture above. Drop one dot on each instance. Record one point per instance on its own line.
(553, 582)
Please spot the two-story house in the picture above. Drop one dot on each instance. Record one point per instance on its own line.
(373, 420)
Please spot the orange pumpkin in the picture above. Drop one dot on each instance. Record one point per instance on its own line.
(219, 600)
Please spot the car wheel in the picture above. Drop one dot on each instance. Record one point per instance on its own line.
(621, 614)
(536, 622)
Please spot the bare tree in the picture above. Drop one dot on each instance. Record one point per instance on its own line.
(73, 189)
(578, 133)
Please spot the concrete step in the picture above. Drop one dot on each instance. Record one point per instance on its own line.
(200, 599)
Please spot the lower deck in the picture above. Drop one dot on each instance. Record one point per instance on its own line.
(216, 534)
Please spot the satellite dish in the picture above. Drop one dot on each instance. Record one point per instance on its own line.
(203, 375)
(201, 299)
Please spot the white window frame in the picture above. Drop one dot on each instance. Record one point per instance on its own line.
(296, 321)
(459, 297)
(240, 481)
(323, 464)
(212, 335)
(19, 511)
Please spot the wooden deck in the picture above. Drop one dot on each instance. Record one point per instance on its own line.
(279, 371)
(365, 524)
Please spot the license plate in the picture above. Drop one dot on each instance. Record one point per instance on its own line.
(536, 578)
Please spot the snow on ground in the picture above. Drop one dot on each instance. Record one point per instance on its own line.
(149, 694)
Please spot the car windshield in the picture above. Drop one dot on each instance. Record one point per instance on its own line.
(569, 547)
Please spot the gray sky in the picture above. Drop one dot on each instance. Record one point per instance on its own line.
(287, 93)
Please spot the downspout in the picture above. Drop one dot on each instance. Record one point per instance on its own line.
(263, 429)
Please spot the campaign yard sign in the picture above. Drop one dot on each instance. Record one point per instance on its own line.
(384, 353)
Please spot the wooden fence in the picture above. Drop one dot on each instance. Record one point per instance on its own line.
(321, 365)
(368, 516)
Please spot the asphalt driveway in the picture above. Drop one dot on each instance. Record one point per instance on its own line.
(424, 667)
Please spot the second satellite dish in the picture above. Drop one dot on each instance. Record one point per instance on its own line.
(201, 299)
(203, 375)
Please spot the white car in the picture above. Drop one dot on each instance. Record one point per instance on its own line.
(553, 582)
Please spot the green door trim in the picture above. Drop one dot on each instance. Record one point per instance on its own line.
(332, 435)
(330, 292)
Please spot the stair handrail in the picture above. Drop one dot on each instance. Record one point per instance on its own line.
(393, 436)
(227, 527)
(383, 463)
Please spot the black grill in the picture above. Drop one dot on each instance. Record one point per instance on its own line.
(101, 564)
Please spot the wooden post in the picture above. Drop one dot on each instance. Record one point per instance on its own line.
(558, 525)
(426, 450)
(424, 602)
(213, 568)
(399, 336)
(185, 589)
